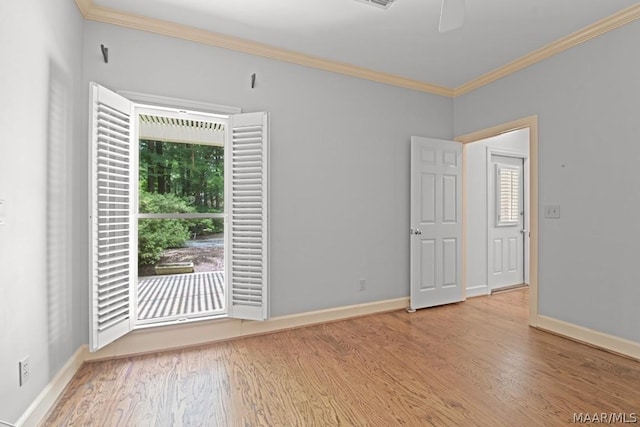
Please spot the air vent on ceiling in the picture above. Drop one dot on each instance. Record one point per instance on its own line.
(378, 3)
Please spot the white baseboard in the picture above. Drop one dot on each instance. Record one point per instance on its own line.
(36, 412)
(161, 338)
(477, 291)
(589, 336)
(322, 316)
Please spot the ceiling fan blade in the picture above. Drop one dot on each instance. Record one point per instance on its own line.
(451, 15)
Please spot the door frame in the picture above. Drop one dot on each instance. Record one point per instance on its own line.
(491, 208)
(531, 123)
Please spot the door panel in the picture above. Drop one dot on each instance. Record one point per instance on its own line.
(450, 199)
(428, 191)
(436, 222)
(428, 264)
(514, 254)
(497, 256)
(449, 262)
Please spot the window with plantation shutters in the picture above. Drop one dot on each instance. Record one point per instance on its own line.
(110, 221)
(116, 126)
(247, 267)
(507, 195)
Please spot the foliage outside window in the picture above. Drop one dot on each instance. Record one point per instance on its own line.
(177, 178)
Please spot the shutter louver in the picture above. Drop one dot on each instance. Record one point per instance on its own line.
(111, 198)
(508, 196)
(247, 267)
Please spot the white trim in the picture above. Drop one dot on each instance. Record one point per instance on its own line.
(588, 336)
(323, 316)
(177, 103)
(161, 338)
(42, 404)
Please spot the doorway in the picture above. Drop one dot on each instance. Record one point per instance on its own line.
(497, 187)
(471, 215)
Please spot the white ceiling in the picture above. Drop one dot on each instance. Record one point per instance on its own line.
(402, 40)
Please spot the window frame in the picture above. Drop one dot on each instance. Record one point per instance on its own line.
(512, 220)
(171, 112)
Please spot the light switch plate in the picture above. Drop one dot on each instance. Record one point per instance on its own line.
(552, 211)
(2, 211)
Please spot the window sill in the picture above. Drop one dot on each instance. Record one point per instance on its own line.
(178, 322)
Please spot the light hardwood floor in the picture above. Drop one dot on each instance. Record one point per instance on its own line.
(475, 363)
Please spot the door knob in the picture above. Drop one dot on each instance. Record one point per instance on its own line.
(523, 231)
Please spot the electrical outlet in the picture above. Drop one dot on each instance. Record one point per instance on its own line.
(552, 211)
(362, 285)
(24, 370)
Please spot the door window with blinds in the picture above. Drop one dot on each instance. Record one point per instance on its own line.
(179, 224)
(507, 195)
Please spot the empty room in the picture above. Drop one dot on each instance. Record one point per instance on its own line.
(346, 212)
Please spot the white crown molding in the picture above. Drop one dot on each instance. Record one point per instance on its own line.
(97, 13)
(585, 34)
(84, 6)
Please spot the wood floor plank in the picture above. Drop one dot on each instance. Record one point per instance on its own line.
(474, 363)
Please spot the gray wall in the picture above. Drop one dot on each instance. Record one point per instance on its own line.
(588, 103)
(477, 223)
(40, 292)
(339, 165)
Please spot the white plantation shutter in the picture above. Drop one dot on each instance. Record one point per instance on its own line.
(246, 265)
(110, 222)
(507, 195)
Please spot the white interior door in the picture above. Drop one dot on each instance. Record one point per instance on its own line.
(506, 221)
(436, 222)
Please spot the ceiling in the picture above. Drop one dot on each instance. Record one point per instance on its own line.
(402, 40)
